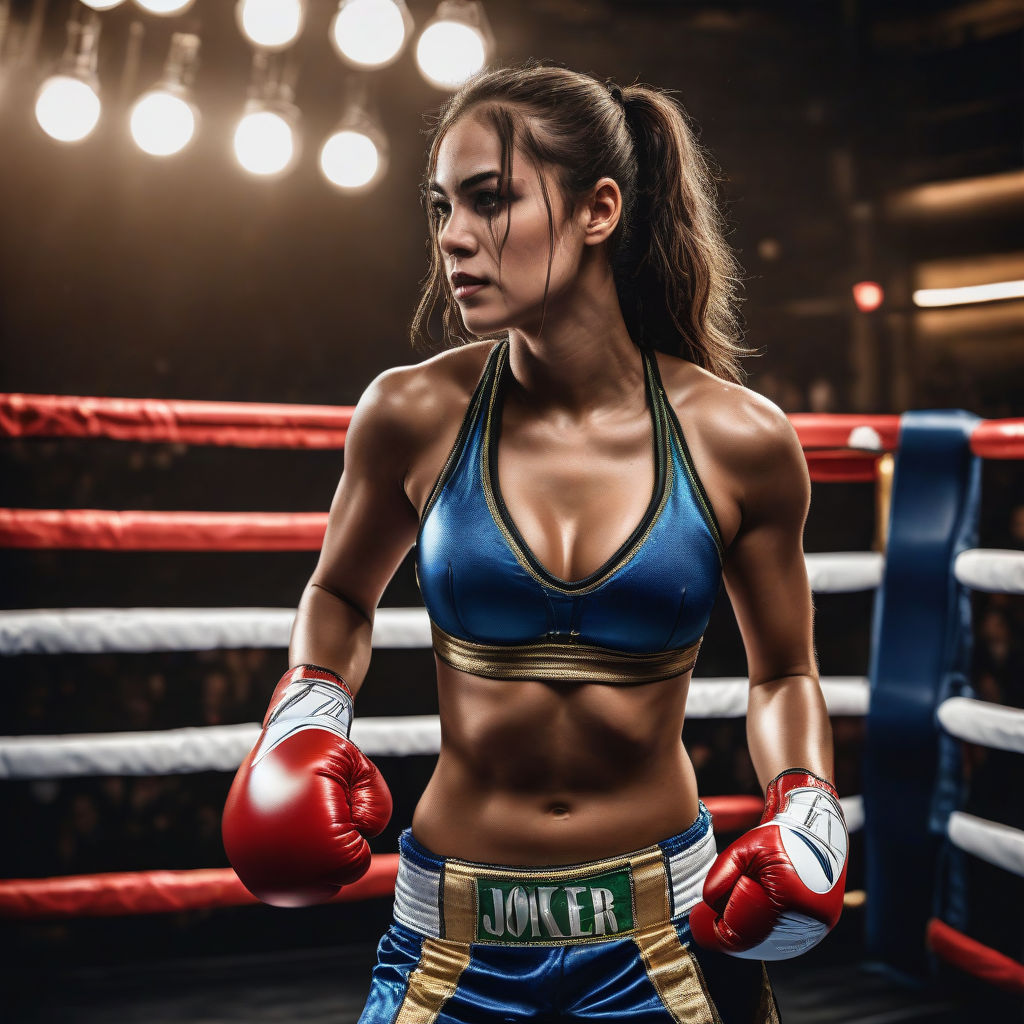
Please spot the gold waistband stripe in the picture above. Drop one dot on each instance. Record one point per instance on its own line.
(561, 659)
(582, 903)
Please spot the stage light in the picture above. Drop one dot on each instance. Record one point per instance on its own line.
(266, 139)
(102, 5)
(455, 44)
(165, 8)
(868, 295)
(930, 297)
(356, 153)
(271, 24)
(163, 120)
(68, 102)
(350, 159)
(162, 124)
(67, 108)
(370, 33)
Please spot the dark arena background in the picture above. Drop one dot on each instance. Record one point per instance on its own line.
(870, 156)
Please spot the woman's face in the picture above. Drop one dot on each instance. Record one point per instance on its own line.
(470, 217)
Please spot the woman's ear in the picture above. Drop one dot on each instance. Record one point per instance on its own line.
(601, 210)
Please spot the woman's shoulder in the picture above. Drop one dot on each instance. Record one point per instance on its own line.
(414, 401)
(738, 426)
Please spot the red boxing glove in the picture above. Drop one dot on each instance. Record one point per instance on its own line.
(305, 797)
(778, 890)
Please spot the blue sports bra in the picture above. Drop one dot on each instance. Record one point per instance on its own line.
(495, 611)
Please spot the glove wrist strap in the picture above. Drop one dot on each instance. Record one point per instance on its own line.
(312, 693)
(790, 779)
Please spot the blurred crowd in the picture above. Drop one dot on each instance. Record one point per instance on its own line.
(120, 823)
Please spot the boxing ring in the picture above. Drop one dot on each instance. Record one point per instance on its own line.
(917, 700)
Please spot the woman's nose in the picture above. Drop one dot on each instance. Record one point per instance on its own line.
(456, 238)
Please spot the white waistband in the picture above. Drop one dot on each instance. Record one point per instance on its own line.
(420, 886)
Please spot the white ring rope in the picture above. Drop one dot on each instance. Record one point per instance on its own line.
(177, 751)
(844, 572)
(220, 748)
(993, 569)
(982, 722)
(998, 844)
(103, 630)
(121, 630)
(223, 747)
(727, 698)
(853, 812)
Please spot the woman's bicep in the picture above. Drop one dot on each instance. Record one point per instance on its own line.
(371, 524)
(765, 572)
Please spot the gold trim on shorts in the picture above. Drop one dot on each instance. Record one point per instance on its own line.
(433, 981)
(561, 659)
(676, 976)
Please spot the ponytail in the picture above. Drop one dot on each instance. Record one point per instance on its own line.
(675, 274)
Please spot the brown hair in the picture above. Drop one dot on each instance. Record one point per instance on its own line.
(675, 274)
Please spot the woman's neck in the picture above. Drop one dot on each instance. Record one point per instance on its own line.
(583, 360)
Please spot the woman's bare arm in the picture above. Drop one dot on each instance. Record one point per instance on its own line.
(759, 900)
(766, 579)
(371, 526)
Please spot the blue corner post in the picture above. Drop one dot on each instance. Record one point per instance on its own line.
(920, 647)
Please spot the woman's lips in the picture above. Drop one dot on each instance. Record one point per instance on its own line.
(463, 291)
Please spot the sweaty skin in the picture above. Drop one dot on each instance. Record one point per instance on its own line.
(538, 773)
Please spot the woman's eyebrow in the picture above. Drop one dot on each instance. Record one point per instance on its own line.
(473, 179)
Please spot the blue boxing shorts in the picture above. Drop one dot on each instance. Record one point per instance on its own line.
(608, 940)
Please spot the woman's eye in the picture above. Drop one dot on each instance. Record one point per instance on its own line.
(489, 201)
(486, 202)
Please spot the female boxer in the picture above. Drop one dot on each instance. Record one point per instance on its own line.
(578, 475)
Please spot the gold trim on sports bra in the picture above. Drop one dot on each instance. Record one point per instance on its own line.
(696, 484)
(662, 447)
(560, 659)
(468, 420)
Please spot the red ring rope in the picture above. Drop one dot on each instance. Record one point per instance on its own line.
(974, 957)
(102, 529)
(265, 425)
(151, 892)
(244, 424)
(999, 439)
(833, 430)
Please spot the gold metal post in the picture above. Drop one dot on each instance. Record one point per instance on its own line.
(883, 499)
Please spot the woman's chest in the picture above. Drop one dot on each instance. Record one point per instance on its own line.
(574, 493)
(646, 588)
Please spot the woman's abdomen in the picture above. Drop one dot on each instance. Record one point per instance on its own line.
(542, 773)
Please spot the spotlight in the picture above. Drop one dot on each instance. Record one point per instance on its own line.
(271, 24)
(163, 120)
(355, 154)
(68, 102)
(266, 137)
(165, 8)
(868, 295)
(102, 5)
(370, 33)
(455, 44)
